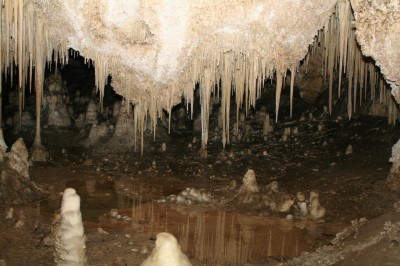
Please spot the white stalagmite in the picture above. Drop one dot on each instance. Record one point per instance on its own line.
(70, 245)
(167, 252)
(250, 182)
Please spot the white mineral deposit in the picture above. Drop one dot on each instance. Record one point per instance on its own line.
(70, 245)
(167, 252)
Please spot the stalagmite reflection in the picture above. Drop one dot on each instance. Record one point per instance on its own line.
(214, 237)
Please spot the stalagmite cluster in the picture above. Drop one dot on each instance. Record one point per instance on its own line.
(55, 102)
(190, 196)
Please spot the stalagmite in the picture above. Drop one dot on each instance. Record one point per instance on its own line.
(267, 127)
(70, 245)
(316, 211)
(250, 182)
(166, 253)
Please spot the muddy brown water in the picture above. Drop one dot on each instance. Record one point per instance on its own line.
(209, 235)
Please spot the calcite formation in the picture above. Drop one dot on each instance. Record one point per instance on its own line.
(159, 52)
(167, 252)
(69, 243)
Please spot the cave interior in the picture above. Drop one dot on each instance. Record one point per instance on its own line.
(247, 157)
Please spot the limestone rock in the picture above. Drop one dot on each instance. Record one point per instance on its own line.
(17, 158)
(15, 184)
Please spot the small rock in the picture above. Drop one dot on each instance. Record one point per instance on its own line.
(10, 214)
(119, 262)
(163, 147)
(114, 213)
(101, 231)
(144, 250)
(349, 149)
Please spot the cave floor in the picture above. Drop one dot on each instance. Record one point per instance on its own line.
(351, 186)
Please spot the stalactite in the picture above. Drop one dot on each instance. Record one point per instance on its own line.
(205, 92)
(8, 20)
(141, 110)
(292, 76)
(343, 12)
(278, 94)
(330, 62)
(38, 152)
(362, 78)
(171, 96)
(372, 81)
(356, 75)
(18, 55)
(100, 65)
(226, 96)
(350, 73)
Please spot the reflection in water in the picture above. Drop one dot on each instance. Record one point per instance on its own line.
(213, 237)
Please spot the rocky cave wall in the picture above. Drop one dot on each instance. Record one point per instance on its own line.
(377, 27)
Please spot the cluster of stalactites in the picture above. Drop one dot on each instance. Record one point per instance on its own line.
(342, 55)
(26, 46)
(220, 72)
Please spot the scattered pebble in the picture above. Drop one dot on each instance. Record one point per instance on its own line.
(144, 249)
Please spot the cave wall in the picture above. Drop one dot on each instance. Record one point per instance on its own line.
(377, 27)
